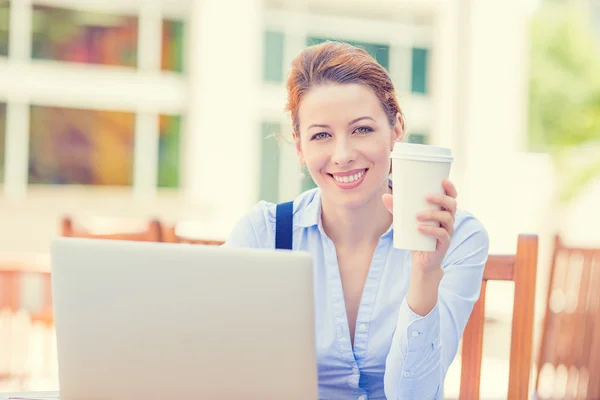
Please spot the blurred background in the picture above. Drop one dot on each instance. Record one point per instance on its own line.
(116, 112)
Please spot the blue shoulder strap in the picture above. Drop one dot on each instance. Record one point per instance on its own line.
(284, 218)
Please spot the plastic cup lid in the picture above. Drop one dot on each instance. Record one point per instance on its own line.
(421, 152)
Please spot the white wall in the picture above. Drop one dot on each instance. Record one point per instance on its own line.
(477, 106)
(222, 150)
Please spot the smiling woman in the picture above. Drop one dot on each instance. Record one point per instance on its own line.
(344, 132)
(346, 118)
(388, 321)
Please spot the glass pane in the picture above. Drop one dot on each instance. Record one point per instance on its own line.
(269, 162)
(169, 151)
(172, 46)
(308, 183)
(419, 138)
(4, 25)
(84, 37)
(87, 147)
(273, 57)
(595, 14)
(419, 70)
(2, 138)
(380, 52)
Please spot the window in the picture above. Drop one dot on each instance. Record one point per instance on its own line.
(4, 26)
(172, 46)
(596, 19)
(169, 151)
(381, 52)
(269, 161)
(2, 139)
(307, 182)
(84, 37)
(419, 138)
(419, 70)
(273, 57)
(86, 147)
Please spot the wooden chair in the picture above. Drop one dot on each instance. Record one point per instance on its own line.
(206, 242)
(170, 235)
(570, 337)
(152, 233)
(521, 269)
(18, 316)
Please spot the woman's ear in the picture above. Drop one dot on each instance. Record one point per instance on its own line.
(298, 145)
(398, 128)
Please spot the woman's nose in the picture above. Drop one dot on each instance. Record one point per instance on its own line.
(344, 153)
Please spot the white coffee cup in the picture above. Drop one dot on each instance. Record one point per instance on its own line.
(417, 172)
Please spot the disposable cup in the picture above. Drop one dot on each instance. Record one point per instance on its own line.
(418, 171)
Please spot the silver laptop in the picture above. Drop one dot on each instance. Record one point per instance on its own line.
(141, 320)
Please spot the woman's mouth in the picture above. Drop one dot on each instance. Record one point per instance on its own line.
(350, 179)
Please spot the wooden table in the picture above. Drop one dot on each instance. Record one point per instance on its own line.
(30, 396)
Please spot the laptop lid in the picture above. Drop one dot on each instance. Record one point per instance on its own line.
(159, 320)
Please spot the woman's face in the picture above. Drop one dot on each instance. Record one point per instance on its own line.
(345, 142)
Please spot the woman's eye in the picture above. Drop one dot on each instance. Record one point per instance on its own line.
(320, 135)
(363, 129)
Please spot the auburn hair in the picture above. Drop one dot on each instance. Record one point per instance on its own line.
(339, 63)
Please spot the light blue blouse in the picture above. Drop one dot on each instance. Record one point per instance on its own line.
(397, 354)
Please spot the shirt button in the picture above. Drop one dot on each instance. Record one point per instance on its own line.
(355, 370)
(362, 327)
(415, 334)
(362, 397)
(406, 374)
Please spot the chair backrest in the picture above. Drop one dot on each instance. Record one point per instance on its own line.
(152, 232)
(206, 242)
(13, 280)
(25, 307)
(172, 234)
(570, 337)
(520, 268)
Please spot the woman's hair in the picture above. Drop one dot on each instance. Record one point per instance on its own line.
(339, 63)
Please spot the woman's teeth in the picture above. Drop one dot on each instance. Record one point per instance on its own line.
(349, 178)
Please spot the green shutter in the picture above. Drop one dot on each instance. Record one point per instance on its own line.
(269, 162)
(419, 70)
(273, 57)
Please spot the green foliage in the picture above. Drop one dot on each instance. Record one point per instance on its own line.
(564, 109)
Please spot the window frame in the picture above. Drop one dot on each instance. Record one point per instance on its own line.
(147, 91)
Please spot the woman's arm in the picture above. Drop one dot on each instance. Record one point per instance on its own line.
(434, 314)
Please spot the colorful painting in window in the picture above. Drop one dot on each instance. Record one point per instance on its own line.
(2, 139)
(169, 151)
(84, 147)
(4, 26)
(84, 37)
(62, 34)
(172, 46)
